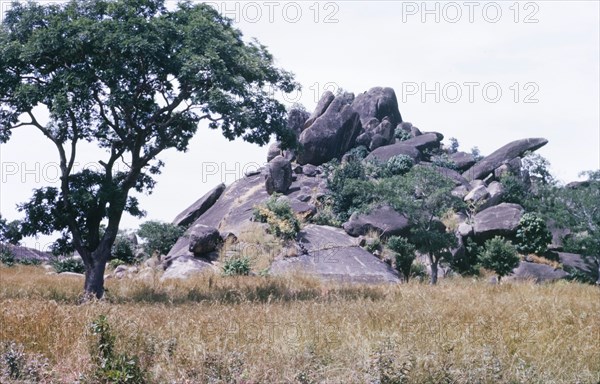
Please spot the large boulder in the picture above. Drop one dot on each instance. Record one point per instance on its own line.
(330, 254)
(501, 220)
(425, 141)
(203, 239)
(296, 120)
(378, 103)
(386, 152)
(539, 273)
(384, 220)
(320, 109)
(194, 211)
(278, 176)
(573, 262)
(462, 160)
(186, 266)
(331, 135)
(25, 254)
(503, 156)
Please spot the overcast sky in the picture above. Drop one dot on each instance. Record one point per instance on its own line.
(486, 73)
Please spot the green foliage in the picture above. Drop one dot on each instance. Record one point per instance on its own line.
(532, 234)
(158, 236)
(123, 249)
(6, 256)
(404, 254)
(67, 264)
(443, 161)
(373, 245)
(350, 189)
(537, 167)
(112, 367)
(133, 78)
(500, 256)
(398, 165)
(358, 153)
(401, 135)
(453, 148)
(467, 264)
(10, 232)
(237, 266)
(325, 214)
(515, 190)
(17, 366)
(476, 153)
(276, 212)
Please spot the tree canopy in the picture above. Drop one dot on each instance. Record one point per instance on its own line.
(134, 79)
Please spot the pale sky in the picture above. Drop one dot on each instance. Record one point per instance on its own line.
(486, 73)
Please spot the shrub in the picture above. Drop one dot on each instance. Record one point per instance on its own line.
(443, 161)
(401, 134)
(122, 250)
(237, 266)
(68, 264)
(467, 263)
(404, 254)
(398, 165)
(515, 190)
(159, 237)
(500, 256)
(453, 148)
(372, 245)
(532, 235)
(17, 366)
(278, 214)
(6, 256)
(358, 153)
(112, 367)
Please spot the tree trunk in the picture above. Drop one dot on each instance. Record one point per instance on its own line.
(434, 269)
(94, 279)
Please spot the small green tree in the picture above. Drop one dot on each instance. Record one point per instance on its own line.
(404, 255)
(158, 236)
(500, 256)
(277, 212)
(10, 232)
(532, 234)
(123, 249)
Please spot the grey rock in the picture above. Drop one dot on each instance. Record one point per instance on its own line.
(185, 267)
(384, 220)
(378, 103)
(320, 109)
(386, 152)
(462, 160)
(496, 191)
(274, 151)
(558, 235)
(501, 220)
(21, 253)
(537, 272)
(414, 131)
(331, 135)
(503, 155)
(377, 141)
(386, 130)
(296, 120)
(425, 141)
(363, 139)
(460, 191)
(451, 174)
(477, 194)
(464, 229)
(310, 170)
(203, 239)
(330, 254)
(579, 263)
(278, 176)
(194, 211)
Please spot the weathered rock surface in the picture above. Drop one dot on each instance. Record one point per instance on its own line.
(330, 254)
(537, 272)
(194, 211)
(384, 220)
(186, 266)
(320, 109)
(477, 194)
(378, 103)
(331, 135)
(278, 176)
(386, 152)
(462, 160)
(203, 239)
(21, 253)
(502, 156)
(587, 265)
(501, 220)
(425, 141)
(296, 120)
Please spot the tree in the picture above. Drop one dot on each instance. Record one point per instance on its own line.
(159, 237)
(424, 195)
(532, 234)
(404, 254)
(134, 79)
(500, 256)
(10, 232)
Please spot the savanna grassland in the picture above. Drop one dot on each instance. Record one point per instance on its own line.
(215, 329)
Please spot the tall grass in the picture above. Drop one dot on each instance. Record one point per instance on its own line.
(214, 329)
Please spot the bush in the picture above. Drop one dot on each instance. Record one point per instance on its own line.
(467, 264)
(122, 250)
(237, 266)
(515, 190)
(68, 264)
(6, 256)
(532, 235)
(444, 161)
(398, 165)
(401, 135)
(358, 153)
(159, 237)
(500, 256)
(278, 214)
(404, 254)
(112, 367)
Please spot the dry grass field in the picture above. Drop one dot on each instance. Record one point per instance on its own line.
(214, 329)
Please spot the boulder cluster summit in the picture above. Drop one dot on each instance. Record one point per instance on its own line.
(338, 124)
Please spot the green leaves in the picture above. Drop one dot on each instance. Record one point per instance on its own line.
(533, 235)
(500, 256)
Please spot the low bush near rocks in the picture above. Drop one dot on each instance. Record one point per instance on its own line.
(278, 214)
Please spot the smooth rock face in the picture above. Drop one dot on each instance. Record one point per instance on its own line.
(429, 140)
(448, 173)
(194, 211)
(386, 152)
(462, 160)
(477, 194)
(330, 254)
(503, 155)
(501, 220)
(378, 103)
(331, 135)
(384, 220)
(278, 176)
(587, 265)
(320, 109)
(203, 239)
(184, 267)
(296, 120)
(538, 272)
(21, 253)
(274, 151)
